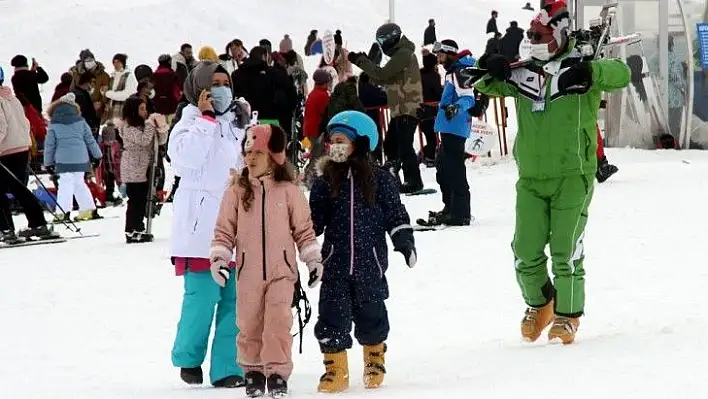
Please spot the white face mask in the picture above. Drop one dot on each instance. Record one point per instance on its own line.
(339, 152)
(540, 52)
(90, 64)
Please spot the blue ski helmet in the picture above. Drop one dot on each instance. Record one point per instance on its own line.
(355, 123)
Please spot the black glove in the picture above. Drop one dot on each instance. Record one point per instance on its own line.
(409, 253)
(95, 162)
(354, 57)
(50, 169)
(576, 79)
(481, 103)
(451, 111)
(497, 66)
(426, 111)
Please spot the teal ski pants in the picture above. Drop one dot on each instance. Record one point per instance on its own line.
(202, 298)
(552, 212)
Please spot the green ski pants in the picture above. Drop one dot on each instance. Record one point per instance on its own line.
(555, 212)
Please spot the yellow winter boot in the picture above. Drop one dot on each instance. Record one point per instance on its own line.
(564, 329)
(60, 217)
(84, 216)
(336, 376)
(535, 321)
(374, 369)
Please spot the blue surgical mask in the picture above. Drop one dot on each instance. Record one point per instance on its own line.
(222, 96)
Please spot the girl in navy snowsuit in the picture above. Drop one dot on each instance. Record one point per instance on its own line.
(355, 204)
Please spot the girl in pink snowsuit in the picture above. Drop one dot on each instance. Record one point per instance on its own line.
(263, 216)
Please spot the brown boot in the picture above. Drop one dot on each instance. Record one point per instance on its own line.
(564, 329)
(336, 376)
(374, 369)
(535, 321)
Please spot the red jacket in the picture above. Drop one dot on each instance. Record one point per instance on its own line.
(38, 126)
(315, 109)
(167, 90)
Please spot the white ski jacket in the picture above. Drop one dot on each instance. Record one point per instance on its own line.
(203, 151)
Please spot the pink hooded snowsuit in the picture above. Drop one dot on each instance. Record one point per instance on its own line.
(264, 238)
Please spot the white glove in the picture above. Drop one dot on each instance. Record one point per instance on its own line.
(220, 271)
(316, 270)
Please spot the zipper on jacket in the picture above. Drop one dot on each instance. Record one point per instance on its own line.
(240, 269)
(263, 227)
(376, 258)
(199, 212)
(351, 223)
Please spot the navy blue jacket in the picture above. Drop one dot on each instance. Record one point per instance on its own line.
(355, 231)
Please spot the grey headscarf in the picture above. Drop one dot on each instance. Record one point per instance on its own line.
(200, 79)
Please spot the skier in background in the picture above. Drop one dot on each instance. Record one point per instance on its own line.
(432, 91)
(401, 77)
(455, 111)
(14, 157)
(556, 180)
(71, 150)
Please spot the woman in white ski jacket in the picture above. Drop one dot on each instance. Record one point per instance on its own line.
(204, 147)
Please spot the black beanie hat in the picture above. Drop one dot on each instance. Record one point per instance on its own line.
(122, 58)
(19, 61)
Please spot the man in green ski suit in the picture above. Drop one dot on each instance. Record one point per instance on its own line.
(557, 102)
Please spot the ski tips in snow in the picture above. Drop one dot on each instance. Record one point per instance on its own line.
(27, 243)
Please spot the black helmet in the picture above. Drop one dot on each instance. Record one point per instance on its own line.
(387, 36)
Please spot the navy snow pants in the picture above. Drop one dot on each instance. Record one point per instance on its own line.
(343, 301)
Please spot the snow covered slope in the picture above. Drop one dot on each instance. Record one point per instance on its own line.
(55, 32)
(96, 318)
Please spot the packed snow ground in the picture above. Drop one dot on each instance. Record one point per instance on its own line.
(96, 318)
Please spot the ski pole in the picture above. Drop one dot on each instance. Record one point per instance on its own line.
(9, 172)
(70, 225)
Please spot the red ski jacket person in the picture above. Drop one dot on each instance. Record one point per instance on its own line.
(315, 109)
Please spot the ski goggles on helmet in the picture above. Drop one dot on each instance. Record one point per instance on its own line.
(444, 48)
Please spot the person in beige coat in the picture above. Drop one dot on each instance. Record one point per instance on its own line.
(264, 216)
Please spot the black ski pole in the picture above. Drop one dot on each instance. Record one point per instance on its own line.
(70, 225)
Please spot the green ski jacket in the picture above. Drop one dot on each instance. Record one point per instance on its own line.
(557, 134)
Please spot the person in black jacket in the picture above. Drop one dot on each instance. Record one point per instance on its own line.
(511, 41)
(82, 92)
(26, 80)
(492, 23)
(373, 97)
(429, 36)
(494, 44)
(432, 91)
(269, 90)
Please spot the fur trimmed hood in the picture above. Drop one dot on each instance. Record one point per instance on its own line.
(321, 164)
